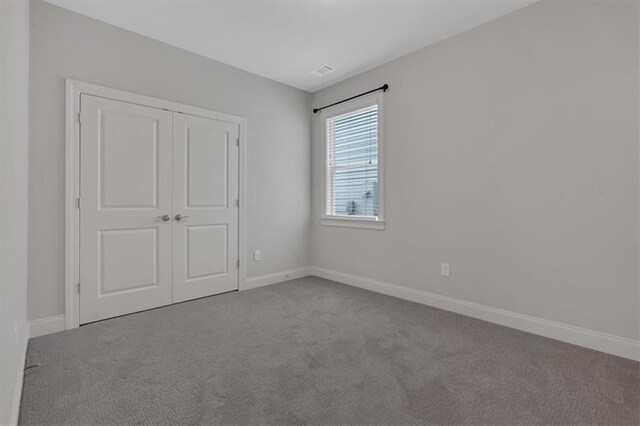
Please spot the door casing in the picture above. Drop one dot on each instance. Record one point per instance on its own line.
(74, 89)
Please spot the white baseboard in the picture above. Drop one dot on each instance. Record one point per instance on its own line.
(49, 325)
(17, 390)
(598, 341)
(277, 277)
(54, 324)
(602, 342)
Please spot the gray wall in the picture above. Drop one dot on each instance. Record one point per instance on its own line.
(14, 147)
(68, 45)
(511, 154)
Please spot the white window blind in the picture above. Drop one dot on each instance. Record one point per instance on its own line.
(352, 164)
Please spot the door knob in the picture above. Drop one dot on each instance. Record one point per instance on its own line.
(164, 217)
(179, 217)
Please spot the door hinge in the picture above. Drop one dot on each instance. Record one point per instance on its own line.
(237, 202)
(79, 119)
(78, 201)
(78, 288)
(238, 263)
(237, 141)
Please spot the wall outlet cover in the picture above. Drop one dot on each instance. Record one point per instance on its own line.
(444, 269)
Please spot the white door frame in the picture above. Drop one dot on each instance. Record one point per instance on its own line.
(72, 180)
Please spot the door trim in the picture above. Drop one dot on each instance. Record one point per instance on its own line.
(73, 90)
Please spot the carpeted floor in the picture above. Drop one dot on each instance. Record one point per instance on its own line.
(317, 352)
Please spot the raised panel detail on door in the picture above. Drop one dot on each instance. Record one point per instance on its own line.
(206, 251)
(122, 249)
(205, 182)
(128, 160)
(207, 171)
(125, 184)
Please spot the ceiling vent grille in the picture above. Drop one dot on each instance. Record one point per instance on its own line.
(323, 70)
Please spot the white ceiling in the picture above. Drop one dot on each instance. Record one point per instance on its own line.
(286, 40)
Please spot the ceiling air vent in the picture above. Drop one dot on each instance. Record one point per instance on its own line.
(323, 70)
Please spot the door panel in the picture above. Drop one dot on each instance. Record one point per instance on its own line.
(126, 167)
(205, 182)
(128, 160)
(207, 171)
(206, 251)
(121, 249)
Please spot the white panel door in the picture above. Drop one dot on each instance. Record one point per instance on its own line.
(125, 188)
(205, 185)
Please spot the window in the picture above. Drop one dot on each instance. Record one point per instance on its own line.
(353, 178)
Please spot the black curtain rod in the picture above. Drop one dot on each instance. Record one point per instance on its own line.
(384, 88)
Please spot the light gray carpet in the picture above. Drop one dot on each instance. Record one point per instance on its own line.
(317, 352)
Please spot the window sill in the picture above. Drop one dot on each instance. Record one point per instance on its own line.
(349, 222)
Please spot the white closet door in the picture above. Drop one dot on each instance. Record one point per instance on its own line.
(205, 230)
(125, 249)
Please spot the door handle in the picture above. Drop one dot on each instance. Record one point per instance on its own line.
(164, 217)
(179, 217)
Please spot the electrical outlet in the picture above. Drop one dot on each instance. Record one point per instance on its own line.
(257, 256)
(444, 269)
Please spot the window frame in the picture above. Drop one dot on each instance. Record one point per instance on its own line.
(364, 222)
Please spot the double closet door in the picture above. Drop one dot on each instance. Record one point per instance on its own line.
(158, 207)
